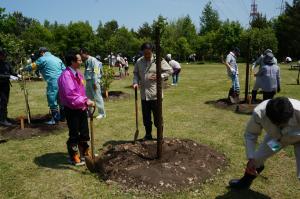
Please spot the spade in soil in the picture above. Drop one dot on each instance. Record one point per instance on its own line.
(136, 134)
(90, 160)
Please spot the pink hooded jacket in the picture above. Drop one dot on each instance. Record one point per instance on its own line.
(71, 90)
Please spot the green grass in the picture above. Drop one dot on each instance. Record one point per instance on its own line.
(37, 168)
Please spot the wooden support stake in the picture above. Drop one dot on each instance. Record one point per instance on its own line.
(159, 93)
(247, 73)
(22, 123)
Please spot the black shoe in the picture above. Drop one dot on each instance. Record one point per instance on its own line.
(148, 137)
(5, 123)
(243, 183)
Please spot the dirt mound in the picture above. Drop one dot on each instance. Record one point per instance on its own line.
(184, 164)
(117, 95)
(241, 108)
(36, 128)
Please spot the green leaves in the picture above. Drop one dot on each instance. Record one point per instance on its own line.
(107, 78)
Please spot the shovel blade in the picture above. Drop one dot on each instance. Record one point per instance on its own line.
(90, 164)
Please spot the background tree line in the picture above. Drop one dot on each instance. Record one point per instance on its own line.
(22, 35)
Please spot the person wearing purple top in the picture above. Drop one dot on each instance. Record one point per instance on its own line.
(73, 98)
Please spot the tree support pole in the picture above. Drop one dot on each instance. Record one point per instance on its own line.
(159, 93)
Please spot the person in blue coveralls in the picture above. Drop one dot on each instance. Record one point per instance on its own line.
(51, 68)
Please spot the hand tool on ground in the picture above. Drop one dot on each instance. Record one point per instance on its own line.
(136, 134)
(90, 160)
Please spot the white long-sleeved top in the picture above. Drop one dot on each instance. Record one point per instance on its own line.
(288, 135)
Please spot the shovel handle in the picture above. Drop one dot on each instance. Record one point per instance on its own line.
(91, 112)
(135, 93)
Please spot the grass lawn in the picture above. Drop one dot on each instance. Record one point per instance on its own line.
(37, 167)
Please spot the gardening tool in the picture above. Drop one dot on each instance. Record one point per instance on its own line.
(249, 89)
(136, 134)
(298, 81)
(90, 160)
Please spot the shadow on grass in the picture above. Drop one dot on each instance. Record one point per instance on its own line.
(245, 194)
(242, 108)
(57, 160)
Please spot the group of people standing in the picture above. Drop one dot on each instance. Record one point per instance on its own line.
(267, 76)
(71, 95)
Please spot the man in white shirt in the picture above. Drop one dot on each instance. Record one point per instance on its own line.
(280, 119)
(176, 69)
(233, 74)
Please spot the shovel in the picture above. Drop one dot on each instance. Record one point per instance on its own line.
(90, 160)
(136, 134)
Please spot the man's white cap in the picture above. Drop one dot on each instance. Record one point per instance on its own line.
(168, 56)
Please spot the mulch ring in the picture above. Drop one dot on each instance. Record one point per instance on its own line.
(242, 107)
(34, 79)
(184, 164)
(36, 128)
(117, 95)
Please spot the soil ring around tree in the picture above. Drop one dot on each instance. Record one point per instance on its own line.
(117, 95)
(34, 79)
(36, 128)
(134, 167)
(241, 108)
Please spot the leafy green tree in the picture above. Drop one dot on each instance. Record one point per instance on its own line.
(80, 34)
(228, 35)
(123, 41)
(183, 48)
(260, 40)
(36, 36)
(145, 31)
(260, 22)
(209, 21)
(288, 31)
(14, 47)
(107, 30)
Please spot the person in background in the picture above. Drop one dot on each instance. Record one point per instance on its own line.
(126, 66)
(269, 75)
(258, 82)
(233, 74)
(51, 68)
(6, 74)
(92, 75)
(145, 78)
(176, 69)
(72, 96)
(288, 60)
(279, 118)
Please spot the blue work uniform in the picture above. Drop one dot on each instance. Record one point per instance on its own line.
(51, 68)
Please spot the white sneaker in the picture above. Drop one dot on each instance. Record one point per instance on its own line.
(51, 122)
(99, 117)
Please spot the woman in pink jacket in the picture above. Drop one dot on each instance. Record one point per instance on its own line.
(73, 98)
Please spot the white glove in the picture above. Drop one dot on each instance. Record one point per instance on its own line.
(11, 77)
(19, 76)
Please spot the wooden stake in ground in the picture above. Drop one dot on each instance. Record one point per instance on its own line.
(22, 122)
(159, 93)
(247, 73)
